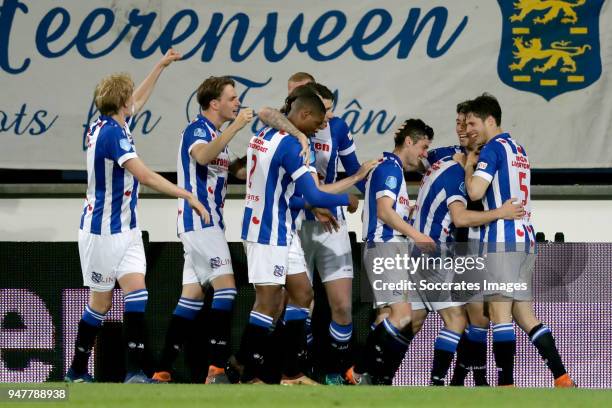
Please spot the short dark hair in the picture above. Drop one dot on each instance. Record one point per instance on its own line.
(301, 76)
(212, 88)
(415, 129)
(484, 106)
(462, 107)
(312, 102)
(302, 90)
(323, 91)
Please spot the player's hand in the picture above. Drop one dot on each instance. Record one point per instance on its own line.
(305, 143)
(459, 158)
(425, 243)
(512, 211)
(170, 56)
(365, 169)
(353, 203)
(198, 207)
(326, 217)
(244, 117)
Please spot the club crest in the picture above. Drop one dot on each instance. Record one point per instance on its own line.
(550, 47)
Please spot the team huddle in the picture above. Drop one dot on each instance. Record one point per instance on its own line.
(294, 224)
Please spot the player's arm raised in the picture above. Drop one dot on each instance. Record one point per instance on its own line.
(204, 153)
(386, 213)
(462, 217)
(275, 119)
(151, 179)
(145, 89)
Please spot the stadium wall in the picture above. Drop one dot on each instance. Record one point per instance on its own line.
(52, 219)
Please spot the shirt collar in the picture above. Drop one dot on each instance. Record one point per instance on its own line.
(208, 122)
(392, 156)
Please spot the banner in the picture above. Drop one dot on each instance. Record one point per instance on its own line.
(386, 60)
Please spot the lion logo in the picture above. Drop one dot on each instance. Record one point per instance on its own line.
(549, 47)
(554, 7)
(559, 50)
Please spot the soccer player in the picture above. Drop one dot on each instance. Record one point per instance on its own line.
(275, 169)
(441, 206)
(501, 171)
(110, 243)
(387, 233)
(299, 79)
(472, 349)
(329, 250)
(202, 168)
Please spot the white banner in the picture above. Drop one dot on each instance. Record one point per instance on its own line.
(546, 61)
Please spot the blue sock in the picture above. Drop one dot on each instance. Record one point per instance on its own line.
(136, 301)
(503, 332)
(260, 319)
(188, 308)
(92, 317)
(447, 340)
(340, 333)
(504, 350)
(223, 299)
(309, 337)
(400, 339)
(293, 312)
(477, 334)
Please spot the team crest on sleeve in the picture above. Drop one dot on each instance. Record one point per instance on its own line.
(481, 166)
(391, 182)
(550, 47)
(125, 145)
(198, 132)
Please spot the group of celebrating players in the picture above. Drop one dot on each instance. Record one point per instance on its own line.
(294, 224)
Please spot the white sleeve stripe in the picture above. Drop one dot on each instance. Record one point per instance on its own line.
(197, 142)
(347, 151)
(298, 173)
(484, 175)
(126, 157)
(454, 198)
(386, 193)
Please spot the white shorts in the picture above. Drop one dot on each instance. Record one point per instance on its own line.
(296, 262)
(207, 256)
(106, 258)
(434, 306)
(267, 264)
(329, 252)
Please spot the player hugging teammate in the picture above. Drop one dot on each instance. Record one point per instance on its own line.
(294, 223)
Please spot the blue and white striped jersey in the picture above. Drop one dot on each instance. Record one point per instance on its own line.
(330, 145)
(112, 192)
(273, 164)
(442, 184)
(505, 165)
(386, 180)
(208, 182)
(439, 153)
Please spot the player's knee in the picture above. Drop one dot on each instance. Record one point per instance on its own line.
(304, 297)
(101, 302)
(500, 312)
(192, 291)
(456, 319)
(341, 312)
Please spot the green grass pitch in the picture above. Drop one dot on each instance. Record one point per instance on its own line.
(255, 396)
